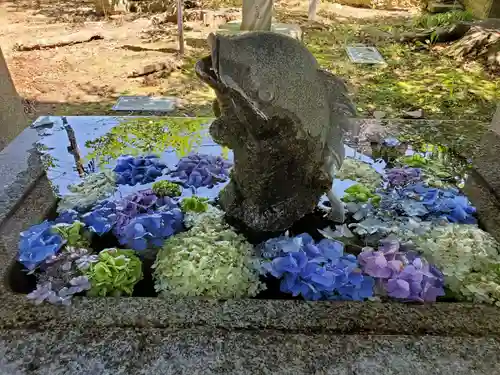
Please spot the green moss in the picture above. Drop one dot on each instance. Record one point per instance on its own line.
(412, 78)
(166, 189)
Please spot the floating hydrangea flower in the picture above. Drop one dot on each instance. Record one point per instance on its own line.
(115, 273)
(93, 188)
(360, 194)
(391, 142)
(194, 204)
(444, 202)
(198, 170)
(139, 203)
(361, 172)
(61, 277)
(37, 244)
(132, 170)
(402, 274)
(166, 189)
(403, 176)
(461, 251)
(151, 230)
(317, 271)
(210, 260)
(66, 217)
(101, 218)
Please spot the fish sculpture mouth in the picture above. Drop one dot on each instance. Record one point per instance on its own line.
(205, 71)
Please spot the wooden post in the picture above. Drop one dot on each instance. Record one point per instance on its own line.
(13, 120)
(313, 7)
(180, 28)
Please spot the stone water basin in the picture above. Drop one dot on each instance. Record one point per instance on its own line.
(101, 140)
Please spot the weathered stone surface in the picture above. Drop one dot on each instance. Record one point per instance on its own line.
(12, 117)
(283, 117)
(483, 8)
(206, 350)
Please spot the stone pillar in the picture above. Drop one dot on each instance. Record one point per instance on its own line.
(484, 8)
(12, 117)
(495, 124)
(257, 15)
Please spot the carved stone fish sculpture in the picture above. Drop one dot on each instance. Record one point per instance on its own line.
(284, 118)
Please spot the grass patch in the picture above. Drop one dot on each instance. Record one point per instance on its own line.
(413, 78)
(427, 21)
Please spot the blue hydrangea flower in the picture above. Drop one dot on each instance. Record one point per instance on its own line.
(317, 271)
(151, 230)
(132, 170)
(101, 218)
(66, 217)
(391, 142)
(446, 203)
(198, 170)
(37, 244)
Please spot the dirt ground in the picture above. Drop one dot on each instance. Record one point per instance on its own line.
(87, 78)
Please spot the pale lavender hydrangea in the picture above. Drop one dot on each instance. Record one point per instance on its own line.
(402, 273)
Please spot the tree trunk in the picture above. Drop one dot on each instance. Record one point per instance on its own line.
(12, 117)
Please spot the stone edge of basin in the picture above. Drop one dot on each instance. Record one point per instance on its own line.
(247, 314)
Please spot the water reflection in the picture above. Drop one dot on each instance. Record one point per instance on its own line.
(74, 146)
(101, 139)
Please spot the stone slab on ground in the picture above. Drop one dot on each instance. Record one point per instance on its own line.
(441, 7)
(205, 350)
(145, 103)
(233, 28)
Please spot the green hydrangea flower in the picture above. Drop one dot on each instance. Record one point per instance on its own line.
(166, 189)
(194, 204)
(75, 234)
(210, 260)
(115, 273)
(360, 194)
(361, 172)
(94, 187)
(468, 257)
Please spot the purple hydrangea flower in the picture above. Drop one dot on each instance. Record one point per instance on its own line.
(402, 273)
(37, 244)
(316, 271)
(403, 176)
(132, 170)
(198, 170)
